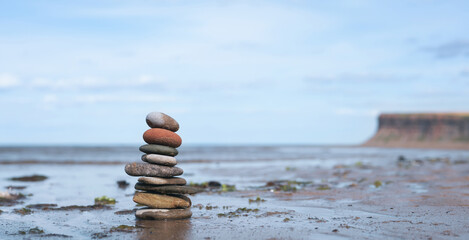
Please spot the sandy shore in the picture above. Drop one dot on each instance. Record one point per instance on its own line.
(357, 198)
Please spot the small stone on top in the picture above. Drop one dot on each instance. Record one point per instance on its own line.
(161, 120)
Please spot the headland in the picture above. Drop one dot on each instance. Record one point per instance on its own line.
(422, 130)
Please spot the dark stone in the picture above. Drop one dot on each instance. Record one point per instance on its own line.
(214, 184)
(42, 206)
(122, 184)
(158, 149)
(33, 178)
(168, 189)
(151, 170)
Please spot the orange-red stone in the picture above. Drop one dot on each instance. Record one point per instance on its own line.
(162, 137)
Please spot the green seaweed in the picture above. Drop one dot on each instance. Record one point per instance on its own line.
(256, 200)
(323, 187)
(286, 186)
(23, 211)
(104, 200)
(123, 228)
(239, 212)
(35, 230)
(318, 220)
(290, 168)
(228, 188)
(201, 185)
(209, 207)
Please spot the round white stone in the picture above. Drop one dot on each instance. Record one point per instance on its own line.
(159, 159)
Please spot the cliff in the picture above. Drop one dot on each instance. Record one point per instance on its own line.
(424, 130)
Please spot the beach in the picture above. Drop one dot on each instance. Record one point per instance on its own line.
(268, 192)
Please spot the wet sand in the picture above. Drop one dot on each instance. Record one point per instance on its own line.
(371, 196)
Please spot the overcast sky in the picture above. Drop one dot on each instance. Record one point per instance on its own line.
(231, 72)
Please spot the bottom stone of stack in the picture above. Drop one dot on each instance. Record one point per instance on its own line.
(162, 214)
(153, 200)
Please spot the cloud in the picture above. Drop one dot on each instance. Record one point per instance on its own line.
(94, 82)
(452, 49)
(8, 81)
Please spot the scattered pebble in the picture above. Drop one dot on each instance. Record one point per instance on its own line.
(122, 184)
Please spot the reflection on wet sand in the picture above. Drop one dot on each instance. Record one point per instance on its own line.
(164, 229)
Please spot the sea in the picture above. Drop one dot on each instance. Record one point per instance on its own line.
(215, 153)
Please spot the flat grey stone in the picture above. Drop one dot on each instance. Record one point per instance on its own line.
(151, 170)
(162, 214)
(168, 189)
(159, 159)
(162, 181)
(158, 149)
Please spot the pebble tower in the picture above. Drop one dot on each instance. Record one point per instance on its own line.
(159, 188)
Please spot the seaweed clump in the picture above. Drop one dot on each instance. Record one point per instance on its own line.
(23, 211)
(123, 228)
(256, 200)
(286, 186)
(239, 212)
(104, 200)
(32, 178)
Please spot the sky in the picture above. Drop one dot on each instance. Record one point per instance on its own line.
(230, 72)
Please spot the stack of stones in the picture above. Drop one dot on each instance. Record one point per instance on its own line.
(157, 187)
